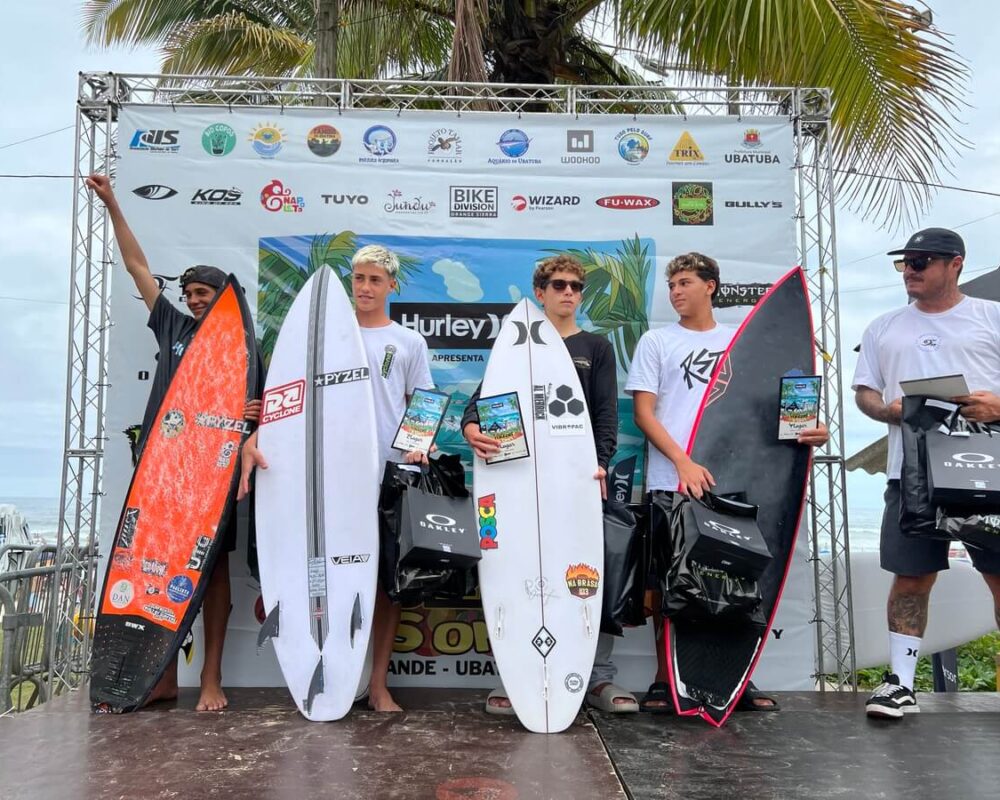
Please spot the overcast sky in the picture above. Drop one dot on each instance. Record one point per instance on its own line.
(42, 52)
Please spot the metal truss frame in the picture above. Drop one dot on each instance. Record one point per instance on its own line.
(101, 94)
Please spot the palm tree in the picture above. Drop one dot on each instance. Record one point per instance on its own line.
(281, 278)
(897, 84)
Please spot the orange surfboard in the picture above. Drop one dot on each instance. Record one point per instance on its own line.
(176, 508)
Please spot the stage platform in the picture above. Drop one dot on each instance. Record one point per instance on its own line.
(446, 748)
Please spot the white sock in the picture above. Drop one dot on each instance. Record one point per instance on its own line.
(903, 653)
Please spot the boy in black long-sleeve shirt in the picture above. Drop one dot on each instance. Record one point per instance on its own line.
(558, 284)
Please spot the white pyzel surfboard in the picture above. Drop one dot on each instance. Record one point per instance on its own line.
(541, 529)
(317, 524)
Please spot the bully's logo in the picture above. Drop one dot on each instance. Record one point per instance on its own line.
(582, 580)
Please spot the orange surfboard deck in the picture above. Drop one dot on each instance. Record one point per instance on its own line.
(176, 508)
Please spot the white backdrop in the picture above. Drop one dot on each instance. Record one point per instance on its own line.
(471, 202)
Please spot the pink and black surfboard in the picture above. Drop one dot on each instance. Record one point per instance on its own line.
(736, 437)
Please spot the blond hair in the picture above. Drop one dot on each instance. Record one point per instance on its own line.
(379, 256)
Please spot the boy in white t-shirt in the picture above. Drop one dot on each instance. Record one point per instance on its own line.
(670, 371)
(942, 332)
(399, 363)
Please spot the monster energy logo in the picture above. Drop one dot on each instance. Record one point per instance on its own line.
(390, 355)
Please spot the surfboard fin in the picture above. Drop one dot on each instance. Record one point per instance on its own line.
(498, 628)
(270, 627)
(586, 622)
(357, 620)
(315, 686)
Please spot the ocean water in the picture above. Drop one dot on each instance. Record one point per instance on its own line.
(42, 514)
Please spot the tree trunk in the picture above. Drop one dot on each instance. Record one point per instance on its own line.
(327, 29)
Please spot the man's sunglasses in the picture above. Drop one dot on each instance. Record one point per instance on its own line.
(917, 263)
(560, 285)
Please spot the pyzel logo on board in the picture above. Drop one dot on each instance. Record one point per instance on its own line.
(580, 147)
(473, 201)
(929, 341)
(221, 423)
(345, 199)
(267, 140)
(543, 202)
(444, 146)
(340, 376)
(172, 424)
(398, 204)
(453, 326)
(514, 144)
(276, 197)
(487, 521)
(627, 202)
(380, 141)
(582, 580)
(216, 197)
(218, 140)
(686, 151)
(698, 367)
(154, 191)
(127, 533)
(283, 401)
(692, 203)
(633, 144)
(155, 140)
(323, 140)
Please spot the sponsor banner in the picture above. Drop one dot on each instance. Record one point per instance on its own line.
(471, 204)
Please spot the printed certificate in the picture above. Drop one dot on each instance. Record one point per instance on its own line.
(500, 419)
(421, 422)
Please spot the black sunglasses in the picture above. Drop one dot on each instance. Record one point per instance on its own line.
(917, 263)
(560, 285)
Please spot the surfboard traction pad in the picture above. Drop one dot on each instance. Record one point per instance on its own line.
(714, 662)
(131, 653)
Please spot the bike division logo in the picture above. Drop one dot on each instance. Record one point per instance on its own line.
(692, 203)
(582, 580)
(323, 141)
(473, 201)
(267, 140)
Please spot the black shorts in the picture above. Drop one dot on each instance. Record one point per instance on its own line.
(915, 556)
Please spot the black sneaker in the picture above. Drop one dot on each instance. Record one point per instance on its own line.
(890, 700)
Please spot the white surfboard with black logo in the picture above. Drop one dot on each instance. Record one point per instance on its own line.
(317, 524)
(541, 529)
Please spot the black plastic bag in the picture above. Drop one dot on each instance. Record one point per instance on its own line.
(444, 475)
(917, 514)
(974, 527)
(625, 566)
(698, 591)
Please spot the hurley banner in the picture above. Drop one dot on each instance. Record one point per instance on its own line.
(471, 203)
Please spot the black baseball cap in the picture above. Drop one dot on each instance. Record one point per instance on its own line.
(202, 273)
(939, 241)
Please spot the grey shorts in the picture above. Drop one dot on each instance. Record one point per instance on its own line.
(914, 556)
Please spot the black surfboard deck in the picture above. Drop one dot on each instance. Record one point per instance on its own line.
(736, 438)
(176, 509)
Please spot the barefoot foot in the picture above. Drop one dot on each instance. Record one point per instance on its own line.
(212, 697)
(381, 700)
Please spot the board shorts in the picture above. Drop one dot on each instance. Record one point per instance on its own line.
(914, 556)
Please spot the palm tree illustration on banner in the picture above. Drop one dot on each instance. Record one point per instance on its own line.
(614, 294)
(281, 277)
